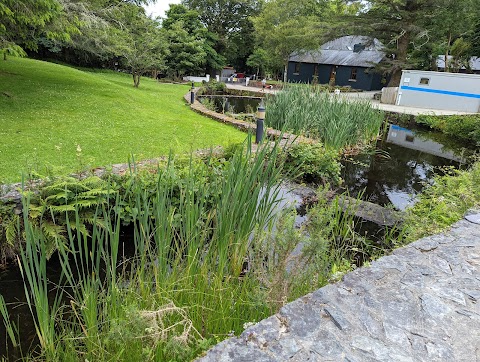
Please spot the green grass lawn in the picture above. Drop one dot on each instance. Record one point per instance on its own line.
(48, 112)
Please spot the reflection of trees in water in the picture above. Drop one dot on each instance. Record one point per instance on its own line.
(406, 172)
(236, 104)
(449, 144)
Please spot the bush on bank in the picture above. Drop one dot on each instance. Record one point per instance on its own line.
(464, 127)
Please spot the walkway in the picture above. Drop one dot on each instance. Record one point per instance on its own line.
(420, 304)
(368, 96)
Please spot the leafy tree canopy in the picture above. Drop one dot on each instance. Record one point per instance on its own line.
(22, 22)
(230, 22)
(288, 26)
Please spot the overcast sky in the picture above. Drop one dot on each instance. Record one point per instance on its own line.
(159, 8)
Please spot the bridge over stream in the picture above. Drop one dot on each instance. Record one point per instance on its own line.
(422, 303)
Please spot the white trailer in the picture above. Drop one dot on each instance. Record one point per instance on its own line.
(439, 90)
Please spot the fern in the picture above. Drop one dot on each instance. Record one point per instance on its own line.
(11, 230)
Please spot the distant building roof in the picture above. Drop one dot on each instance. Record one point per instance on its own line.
(474, 62)
(341, 52)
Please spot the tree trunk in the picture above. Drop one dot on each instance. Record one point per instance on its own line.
(400, 60)
(136, 80)
(285, 68)
(5, 55)
(447, 66)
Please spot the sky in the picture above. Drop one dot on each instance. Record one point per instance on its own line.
(159, 8)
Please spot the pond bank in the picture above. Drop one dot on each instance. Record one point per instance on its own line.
(419, 304)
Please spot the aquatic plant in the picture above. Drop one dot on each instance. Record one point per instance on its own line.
(206, 260)
(335, 121)
(191, 241)
(311, 161)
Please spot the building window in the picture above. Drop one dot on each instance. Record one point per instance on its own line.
(409, 138)
(425, 81)
(297, 69)
(353, 75)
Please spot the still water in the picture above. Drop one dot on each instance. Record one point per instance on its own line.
(235, 104)
(402, 164)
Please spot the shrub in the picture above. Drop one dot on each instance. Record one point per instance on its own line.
(213, 87)
(465, 127)
(444, 203)
(312, 162)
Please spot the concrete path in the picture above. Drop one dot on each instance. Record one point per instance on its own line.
(368, 96)
(420, 304)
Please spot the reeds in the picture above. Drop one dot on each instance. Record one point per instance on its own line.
(202, 264)
(336, 121)
(192, 237)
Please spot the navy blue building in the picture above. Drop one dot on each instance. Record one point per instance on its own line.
(346, 61)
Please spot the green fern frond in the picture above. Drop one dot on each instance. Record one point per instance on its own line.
(60, 209)
(35, 212)
(11, 230)
(80, 227)
(63, 195)
(53, 231)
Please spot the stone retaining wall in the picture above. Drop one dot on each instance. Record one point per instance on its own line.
(422, 303)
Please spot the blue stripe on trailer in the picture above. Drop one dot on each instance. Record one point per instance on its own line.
(439, 91)
(394, 127)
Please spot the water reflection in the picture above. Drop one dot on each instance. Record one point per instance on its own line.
(235, 104)
(403, 163)
(418, 142)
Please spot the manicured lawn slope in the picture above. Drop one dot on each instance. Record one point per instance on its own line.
(49, 112)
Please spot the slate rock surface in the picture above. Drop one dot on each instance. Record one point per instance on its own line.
(422, 303)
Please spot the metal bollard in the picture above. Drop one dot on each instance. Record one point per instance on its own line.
(260, 123)
(192, 94)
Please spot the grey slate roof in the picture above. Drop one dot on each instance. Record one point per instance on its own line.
(340, 52)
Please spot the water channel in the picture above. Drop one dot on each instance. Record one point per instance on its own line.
(401, 165)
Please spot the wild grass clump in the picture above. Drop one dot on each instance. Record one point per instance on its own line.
(443, 203)
(333, 120)
(193, 230)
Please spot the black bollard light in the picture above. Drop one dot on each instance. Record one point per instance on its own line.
(260, 123)
(192, 94)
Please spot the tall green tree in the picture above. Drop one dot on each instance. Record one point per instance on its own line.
(23, 22)
(230, 22)
(190, 44)
(258, 60)
(413, 31)
(138, 40)
(186, 53)
(450, 24)
(474, 36)
(397, 24)
(287, 26)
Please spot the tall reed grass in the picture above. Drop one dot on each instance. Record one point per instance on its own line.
(205, 262)
(192, 239)
(337, 122)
